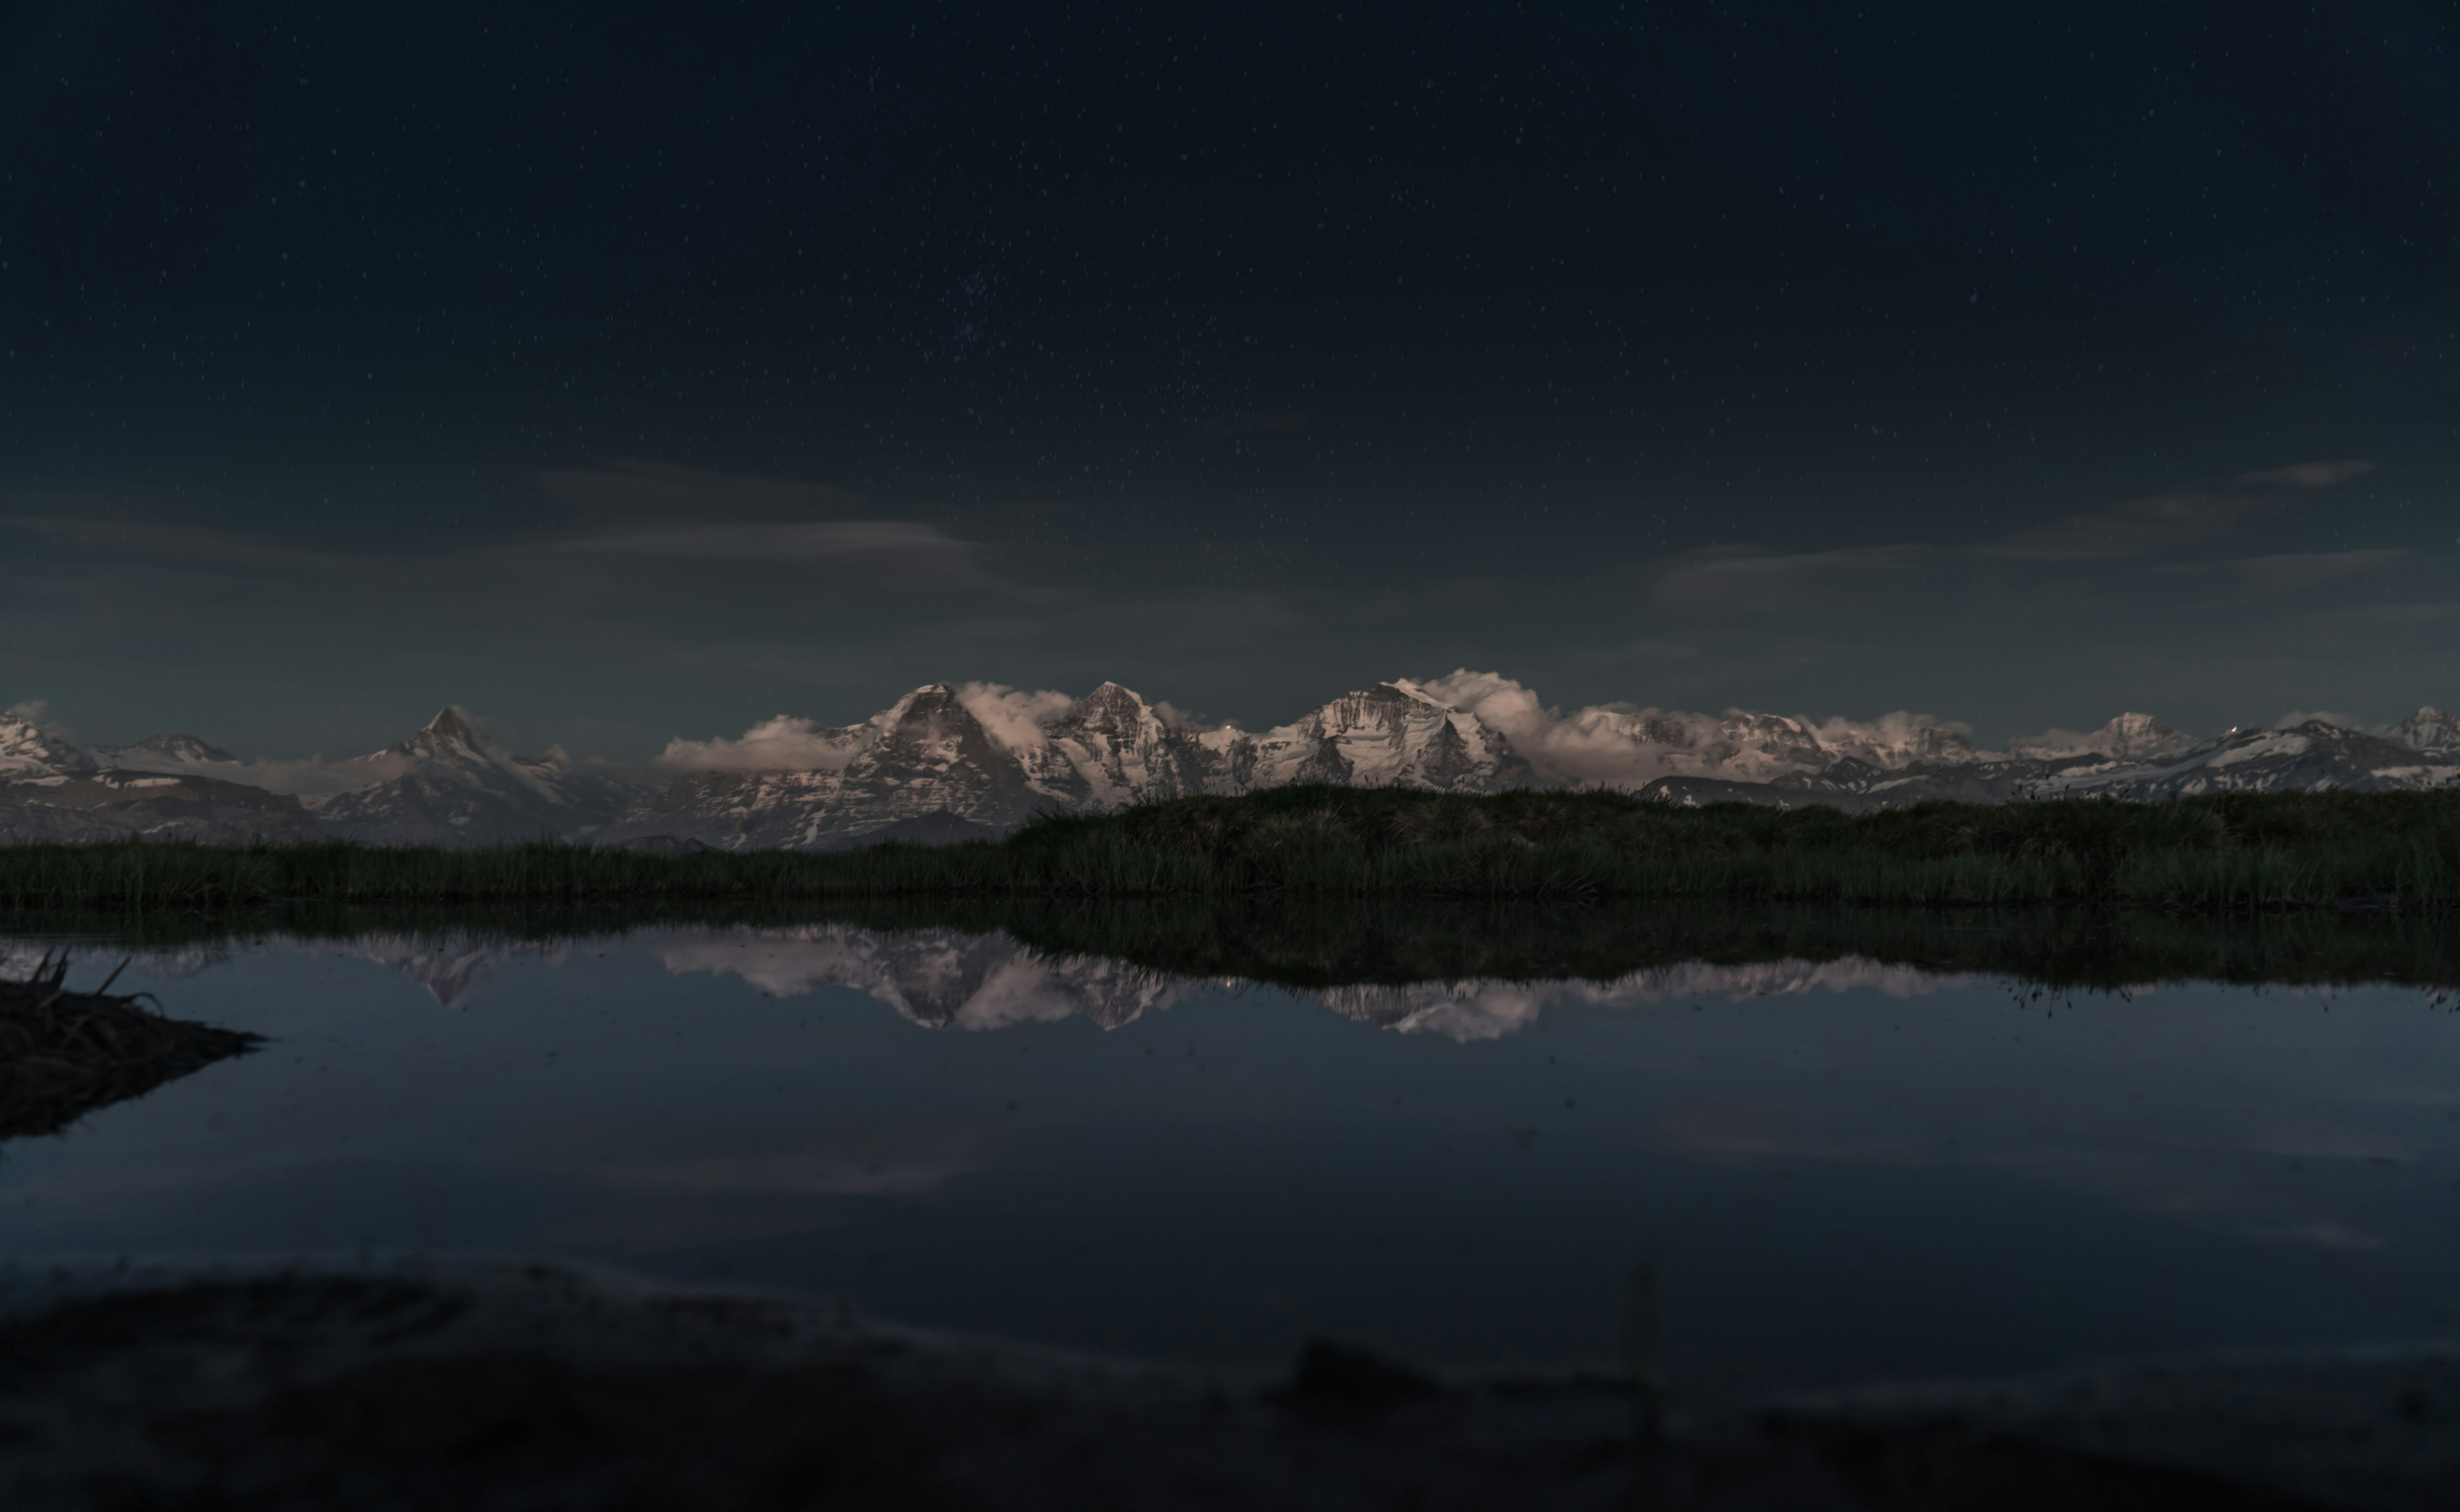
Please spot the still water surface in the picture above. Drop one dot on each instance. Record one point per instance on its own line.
(1842, 1170)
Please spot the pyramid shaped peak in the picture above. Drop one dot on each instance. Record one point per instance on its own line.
(934, 704)
(1398, 692)
(454, 723)
(1111, 695)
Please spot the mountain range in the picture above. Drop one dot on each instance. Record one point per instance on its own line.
(951, 763)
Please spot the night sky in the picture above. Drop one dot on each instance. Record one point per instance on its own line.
(625, 372)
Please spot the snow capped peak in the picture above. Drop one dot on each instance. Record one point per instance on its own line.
(2429, 729)
(454, 783)
(1111, 698)
(1391, 735)
(1624, 746)
(2137, 727)
(27, 750)
(937, 709)
(452, 725)
(2130, 736)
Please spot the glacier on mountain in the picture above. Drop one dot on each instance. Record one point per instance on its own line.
(932, 751)
(952, 761)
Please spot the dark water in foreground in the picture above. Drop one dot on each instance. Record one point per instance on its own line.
(1844, 1169)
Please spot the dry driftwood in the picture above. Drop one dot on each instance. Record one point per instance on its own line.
(63, 1054)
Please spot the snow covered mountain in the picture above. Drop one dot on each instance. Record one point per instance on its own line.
(2133, 756)
(2430, 730)
(137, 805)
(932, 753)
(950, 763)
(49, 790)
(2128, 736)
(454, 785)
(2309, 755)
(26, 751)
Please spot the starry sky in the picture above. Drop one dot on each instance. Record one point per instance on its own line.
(625, 372)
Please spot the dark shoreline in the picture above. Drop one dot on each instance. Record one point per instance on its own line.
(63, 1055)
(521, 1386)
(2228, 854)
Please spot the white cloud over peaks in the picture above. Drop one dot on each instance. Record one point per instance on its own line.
(1013, 717)
(1621, 745)
(781, 743)
(37, 712)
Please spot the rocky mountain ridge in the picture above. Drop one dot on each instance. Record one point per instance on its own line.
(948, 762)
(458, 785)
(2149, 762)
(450, 784)
(931, 753)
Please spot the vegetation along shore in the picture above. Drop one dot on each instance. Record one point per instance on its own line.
(2224, 853)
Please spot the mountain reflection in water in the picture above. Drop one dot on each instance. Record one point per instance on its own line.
(1860, 1146)
(954, 979)
(944, 979)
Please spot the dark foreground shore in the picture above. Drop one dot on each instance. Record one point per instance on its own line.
(534, 1388)
(63, 1054)
(2231, 854)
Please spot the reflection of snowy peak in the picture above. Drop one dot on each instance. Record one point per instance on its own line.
(931, 754)
(946, 979)
(452, 784)
(939, 978)
(26, 751)
(1489, 1008)
(449, 965)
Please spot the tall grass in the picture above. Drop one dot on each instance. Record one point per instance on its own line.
(2231, 853)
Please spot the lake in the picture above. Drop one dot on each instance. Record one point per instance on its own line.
(1807, 1164)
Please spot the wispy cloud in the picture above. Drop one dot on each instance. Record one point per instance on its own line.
(2306, 475)
(628, 489)
(876, 541)
(2171, 519)
(1621, 745)
(1820, 581)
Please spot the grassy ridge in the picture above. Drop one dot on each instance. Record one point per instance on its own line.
(2229, 853)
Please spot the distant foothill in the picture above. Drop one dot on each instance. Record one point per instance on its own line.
(948, 762)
